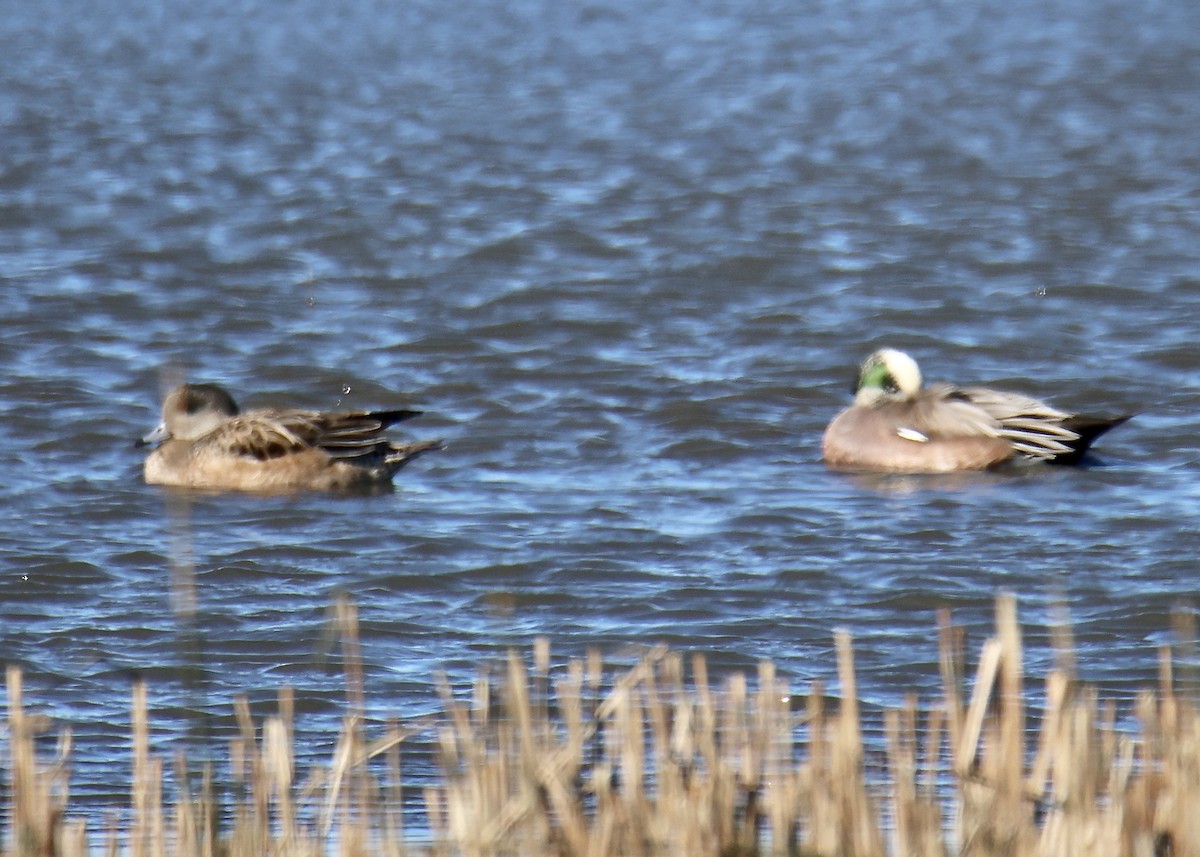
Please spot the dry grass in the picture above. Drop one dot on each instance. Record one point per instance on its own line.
(658, 761)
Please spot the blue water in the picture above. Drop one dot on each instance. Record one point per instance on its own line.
(626, 256)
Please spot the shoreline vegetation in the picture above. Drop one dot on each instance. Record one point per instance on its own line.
(656, 760)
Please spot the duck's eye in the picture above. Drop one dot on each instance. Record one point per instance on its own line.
(876, 377)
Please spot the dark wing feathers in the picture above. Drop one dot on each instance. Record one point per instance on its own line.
(356, 422)
(357, 434)
(268, 434)
(1088, 429)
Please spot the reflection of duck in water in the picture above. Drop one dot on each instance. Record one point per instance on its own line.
(205, 442)
(898, 425)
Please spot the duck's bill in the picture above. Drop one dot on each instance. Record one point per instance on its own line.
(157, 436)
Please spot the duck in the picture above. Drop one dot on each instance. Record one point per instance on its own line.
(206, 442)
(897, 424)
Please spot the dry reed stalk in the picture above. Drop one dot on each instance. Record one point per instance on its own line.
(393, 815)
(32, 810)
(1088, 789)
(916, 813)
(37, 794)
(194, 817)
(147, 833)
(673, 771)
(540, 765)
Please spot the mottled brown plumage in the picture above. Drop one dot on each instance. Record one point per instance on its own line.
(204, 441)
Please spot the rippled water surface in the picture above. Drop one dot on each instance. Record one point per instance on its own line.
(626, 256)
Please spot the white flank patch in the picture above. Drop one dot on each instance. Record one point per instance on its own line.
(912, 434)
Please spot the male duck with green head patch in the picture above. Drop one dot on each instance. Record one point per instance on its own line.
(898, 425)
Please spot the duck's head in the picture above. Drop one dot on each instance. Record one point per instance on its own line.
(886, 374)
(191, 411)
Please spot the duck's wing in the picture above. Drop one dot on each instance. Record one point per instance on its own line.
(940, 412)
(268, 434)
(1033, 427)
(263, 435)
(359, 433)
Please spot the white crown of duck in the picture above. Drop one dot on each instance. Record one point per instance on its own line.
(898, 424)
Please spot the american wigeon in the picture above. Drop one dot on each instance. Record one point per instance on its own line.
(898, 425)
(205, 442)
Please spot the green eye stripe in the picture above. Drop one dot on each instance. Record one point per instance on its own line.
(876, 375)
